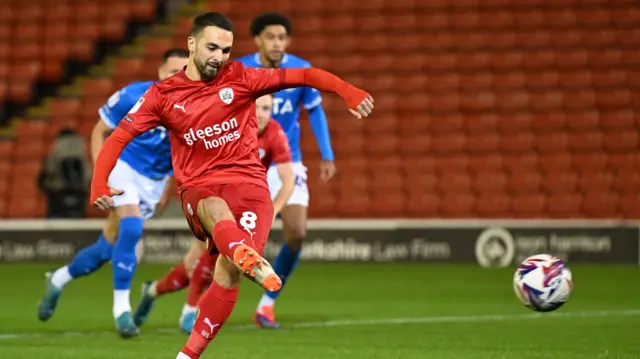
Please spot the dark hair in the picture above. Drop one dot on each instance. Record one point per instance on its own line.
(181, 53)
(270, 18)
(210, 19)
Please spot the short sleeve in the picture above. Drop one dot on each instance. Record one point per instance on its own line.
(145, 114)
(281, 151)
(116, 107)
(263, 81)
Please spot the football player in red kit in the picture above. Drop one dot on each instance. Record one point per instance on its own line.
(209, 111)
(273, 149)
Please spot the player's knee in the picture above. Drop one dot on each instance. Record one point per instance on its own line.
(226, 274)
(110, 230)
(295, 234)
(212, 210)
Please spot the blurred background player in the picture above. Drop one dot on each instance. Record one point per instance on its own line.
(271, 32)
(274, 149)
(142, 171)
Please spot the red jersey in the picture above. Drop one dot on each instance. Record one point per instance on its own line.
(213, 129)
(274, 145)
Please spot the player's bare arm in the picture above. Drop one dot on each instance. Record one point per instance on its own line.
(285, 172)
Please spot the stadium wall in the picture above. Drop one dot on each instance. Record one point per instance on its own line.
(490, 243)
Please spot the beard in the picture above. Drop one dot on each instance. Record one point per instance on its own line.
(275, 58)
(208, 69)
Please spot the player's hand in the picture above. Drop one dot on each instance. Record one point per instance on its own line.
(104, 203)
(327, 170)
(364, 109)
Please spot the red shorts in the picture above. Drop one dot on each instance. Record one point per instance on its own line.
(250, 204)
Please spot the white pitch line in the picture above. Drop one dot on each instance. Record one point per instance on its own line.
(372, 322)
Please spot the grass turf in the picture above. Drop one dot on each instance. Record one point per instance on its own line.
(353, 311)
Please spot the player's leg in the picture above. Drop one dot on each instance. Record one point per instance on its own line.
(235, 239)
(294, 225)
(215, 307)
(124, 263)
(132, 207)
(200, 280)
(85, 262)
(254, 211)
(176, 279)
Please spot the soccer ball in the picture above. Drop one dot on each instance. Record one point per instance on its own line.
(543, 283)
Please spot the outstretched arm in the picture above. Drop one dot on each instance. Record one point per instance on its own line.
(106, 161)
(263, 81)
(143, 116)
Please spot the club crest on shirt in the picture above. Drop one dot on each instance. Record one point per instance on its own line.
(261, 152)
(226, 95)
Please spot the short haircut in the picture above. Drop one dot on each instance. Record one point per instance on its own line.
(181, 53)
(216, 19)
(270, 18)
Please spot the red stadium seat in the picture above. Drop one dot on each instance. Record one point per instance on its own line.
(458, 205)
(521, 161)
(454, 182)
(600, 204)
(489, 162)
(490, 182)
(524, 182)
(450, 164)
(530, 205)
(565, 205)
(554, 162)
(494, 205)
(589, 162)
(575, 79)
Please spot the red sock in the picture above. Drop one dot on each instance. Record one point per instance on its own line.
(215, 307)
(175, 280)
(227, 236)
(201, 278)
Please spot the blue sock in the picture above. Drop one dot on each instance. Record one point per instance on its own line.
(124, 252)
(90, 258)
(283, 266)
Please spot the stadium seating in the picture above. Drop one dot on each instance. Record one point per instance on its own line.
(495, 109)
(37, 38)
(490, 109)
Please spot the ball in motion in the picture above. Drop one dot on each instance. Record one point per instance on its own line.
(543, 283)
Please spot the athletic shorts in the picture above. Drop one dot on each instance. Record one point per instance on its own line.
(250, 204)
(300, 194)
(138, 190)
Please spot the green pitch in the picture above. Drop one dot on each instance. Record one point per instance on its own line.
(349, 311)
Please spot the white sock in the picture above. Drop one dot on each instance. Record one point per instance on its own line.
(153, 291)
(61, 277)
(266, 300)
(182, 355)
(188, 309)
(121, 302)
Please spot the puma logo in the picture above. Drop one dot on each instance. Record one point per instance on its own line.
(128, 268)
(233, 244)
(175, 105)
(211, 326)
